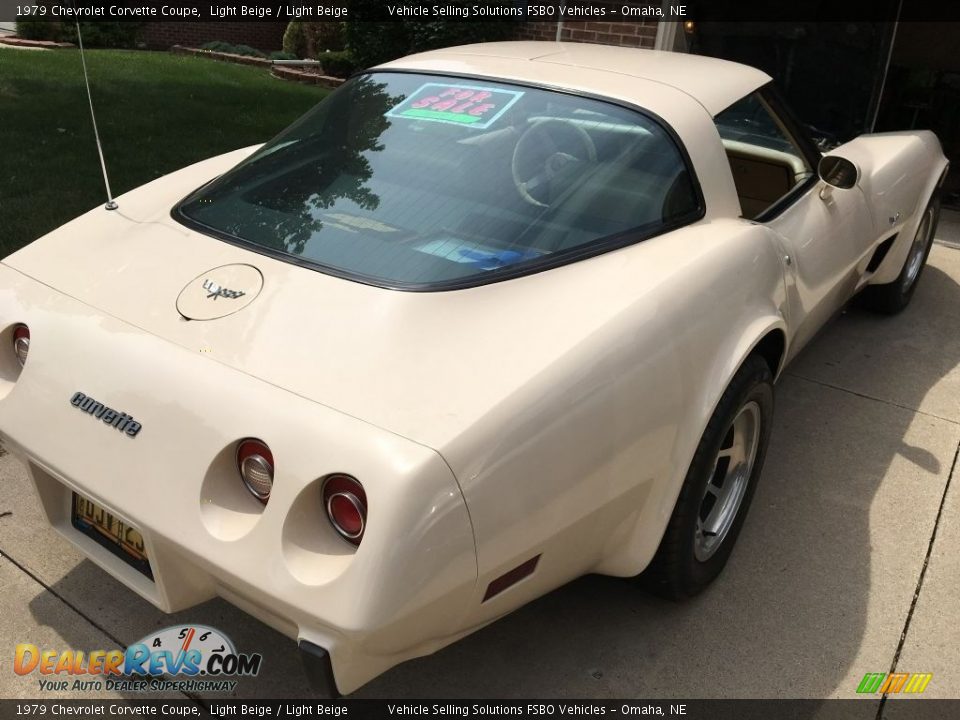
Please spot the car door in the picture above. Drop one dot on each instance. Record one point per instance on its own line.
(823, 232)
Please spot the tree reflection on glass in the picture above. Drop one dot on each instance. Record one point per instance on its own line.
(323, 158)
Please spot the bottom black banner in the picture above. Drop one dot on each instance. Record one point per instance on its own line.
(866, 708)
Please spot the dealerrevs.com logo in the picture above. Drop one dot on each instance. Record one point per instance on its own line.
(192, 658)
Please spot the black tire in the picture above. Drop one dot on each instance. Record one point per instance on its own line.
(676, 572)
(891, 298)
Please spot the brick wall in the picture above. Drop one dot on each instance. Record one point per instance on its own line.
(265, 36)
(629, 34)
(538, 31)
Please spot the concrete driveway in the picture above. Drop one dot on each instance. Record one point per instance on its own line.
(847, 563)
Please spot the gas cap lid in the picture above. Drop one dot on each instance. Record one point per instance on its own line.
(220, 292)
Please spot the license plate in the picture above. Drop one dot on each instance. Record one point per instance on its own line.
(116, 535)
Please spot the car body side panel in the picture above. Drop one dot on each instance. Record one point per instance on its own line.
(826, 235)
(898, 173)
(583, 464)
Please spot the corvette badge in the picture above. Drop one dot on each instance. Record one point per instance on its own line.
(214, 291)
(120, 420)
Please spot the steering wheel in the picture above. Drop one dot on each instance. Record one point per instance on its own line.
(545, 161)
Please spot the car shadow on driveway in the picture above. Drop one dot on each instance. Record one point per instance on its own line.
(815, 595)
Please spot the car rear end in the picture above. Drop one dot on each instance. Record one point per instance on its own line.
(159, 502)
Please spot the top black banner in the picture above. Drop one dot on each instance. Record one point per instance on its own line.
(483, 10)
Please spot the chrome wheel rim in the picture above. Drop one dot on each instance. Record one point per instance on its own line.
(919, 248)
(728, 482)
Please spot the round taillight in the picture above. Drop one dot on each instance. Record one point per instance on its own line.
(346, 505)
(255, 463)
(21, 343)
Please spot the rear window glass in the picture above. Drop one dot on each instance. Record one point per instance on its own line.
(419, 181)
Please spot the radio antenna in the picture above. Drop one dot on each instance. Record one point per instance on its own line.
(111, 203)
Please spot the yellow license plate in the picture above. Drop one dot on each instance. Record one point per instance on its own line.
(113, 533)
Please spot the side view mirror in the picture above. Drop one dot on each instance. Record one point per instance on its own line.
(838, 172)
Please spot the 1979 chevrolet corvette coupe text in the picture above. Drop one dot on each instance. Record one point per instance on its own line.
(486, 319)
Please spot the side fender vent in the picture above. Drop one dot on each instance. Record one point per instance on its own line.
(880, 253)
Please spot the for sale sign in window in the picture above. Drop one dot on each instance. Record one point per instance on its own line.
(477, 107)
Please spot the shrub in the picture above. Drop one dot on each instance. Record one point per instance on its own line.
(104, 34)
(281, 55)
(225, 47)
(338, 63)
(218, 46)
(248, 51)
(370, 42)
(295, 40)
(322, 36)
(39, 30)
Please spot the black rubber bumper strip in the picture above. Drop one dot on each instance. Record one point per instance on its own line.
(319, 669)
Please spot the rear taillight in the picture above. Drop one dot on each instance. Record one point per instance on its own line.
(255, 463)
(346, 505)
(21, 343)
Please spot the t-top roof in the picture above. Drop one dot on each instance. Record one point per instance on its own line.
(714, 83)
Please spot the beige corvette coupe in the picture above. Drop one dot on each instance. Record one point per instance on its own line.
(485, 320)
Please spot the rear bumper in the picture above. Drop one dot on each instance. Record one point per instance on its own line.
(403, 593)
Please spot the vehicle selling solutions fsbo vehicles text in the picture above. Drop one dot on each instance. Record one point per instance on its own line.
(544, 10)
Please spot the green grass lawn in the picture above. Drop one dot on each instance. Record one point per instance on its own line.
(156, 112)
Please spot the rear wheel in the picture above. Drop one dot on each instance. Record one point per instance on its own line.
(891, 298)
(718, 488)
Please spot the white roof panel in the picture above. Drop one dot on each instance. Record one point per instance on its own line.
(712, 82)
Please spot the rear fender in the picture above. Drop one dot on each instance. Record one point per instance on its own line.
(628, 556)
(631, 556)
